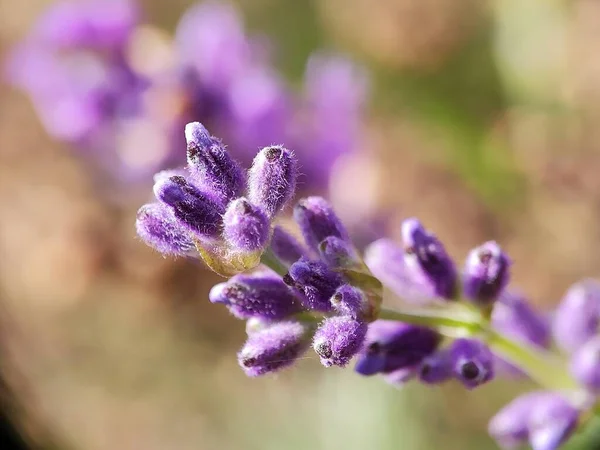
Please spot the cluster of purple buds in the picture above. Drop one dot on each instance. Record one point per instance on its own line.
(461, 324)
(215, 209)
(119, 90)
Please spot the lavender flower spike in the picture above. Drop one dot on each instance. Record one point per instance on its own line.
(486, 273)
(211, 165)
(427, 260)
(390, 346)
(272, 179)
(193, 209)
(577, 317)
(315, 282)
(585, 364)
(285, 247)
(472, 362)
(258, 295)
(338, 339)
(157, 226)
(273, 348)
(245, 226)
(318, 221)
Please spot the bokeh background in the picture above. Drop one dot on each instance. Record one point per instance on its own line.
(482, 122)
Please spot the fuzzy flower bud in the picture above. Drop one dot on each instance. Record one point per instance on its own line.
(576, 318)
(385, 259)
(273, 348)
(338, 339)
(427, 260)
(195, 210)
(285, 247)
(391, 345)
(486, 273)
(350, 301)
(246, 227)
(436, 368)
(157, 226)
(337, 253)
(509, 426)
(514, 316)
(211, 165)
(315, 281)
(585, 364)
(272, 179)
(318, 221)
(551, 421)
(472, 362)
(257, 295)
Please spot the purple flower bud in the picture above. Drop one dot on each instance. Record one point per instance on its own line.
(436, 368)
(212, 165)
(350, 301)
(315, 281)
(472, 362)
(400, 377)
(245, 226)
(318, 221)
(486, 273)
(427, 260)
(285, 247)
(509, 426)
(192, 208)
(272, 179)
(551, 421)
(338, 253)
(516, 318)
(385, 259)
(157, 226)
(338, 339)
(391, 345)
(576, 319)
(585, 364)
(273, 348)
(258, 295)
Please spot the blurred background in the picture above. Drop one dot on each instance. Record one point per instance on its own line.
(479, 118)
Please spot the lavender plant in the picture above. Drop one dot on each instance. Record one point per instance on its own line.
(453, 324)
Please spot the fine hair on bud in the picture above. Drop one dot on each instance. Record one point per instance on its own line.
(272, 179)
(158, 227)
(193, 209)
(262, 295)
(314, 282)
(338, 339)
(211, 165)
(245, 226)
(273, 348)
